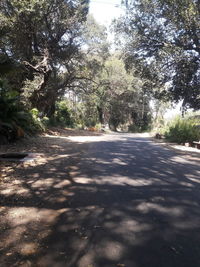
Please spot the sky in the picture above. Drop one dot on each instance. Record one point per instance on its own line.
(104, 11)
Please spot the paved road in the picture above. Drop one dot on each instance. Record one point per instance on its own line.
(121, 200)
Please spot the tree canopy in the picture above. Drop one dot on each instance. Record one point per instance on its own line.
(56, 63)
(164, 37)
(41, 37)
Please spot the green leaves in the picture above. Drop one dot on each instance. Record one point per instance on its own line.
(38, 39)
(183, 130)
(162, 34)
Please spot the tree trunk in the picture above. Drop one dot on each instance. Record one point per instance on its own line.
(100, 113)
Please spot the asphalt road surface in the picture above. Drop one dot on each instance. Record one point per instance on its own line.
(121, 200)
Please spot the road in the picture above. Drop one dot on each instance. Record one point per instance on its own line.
(118, 200)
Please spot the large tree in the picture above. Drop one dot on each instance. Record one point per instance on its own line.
(42, 37)
(163, 37)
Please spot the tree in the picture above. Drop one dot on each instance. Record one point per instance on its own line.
(117, 98)
(108, 93)
(163, 36)
(43, 37)
(88, 71)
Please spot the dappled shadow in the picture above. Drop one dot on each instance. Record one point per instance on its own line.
(101, 202)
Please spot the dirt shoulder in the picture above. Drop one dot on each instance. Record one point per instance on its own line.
(33, 194)
(56, 141)
(48, 142)
(189, 152)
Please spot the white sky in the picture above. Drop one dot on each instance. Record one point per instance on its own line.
(170, 113)
(104, 11)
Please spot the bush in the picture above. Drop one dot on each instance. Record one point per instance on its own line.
(133, 128)
(15, 121)
(62, 115)
(35, 122)
(45, 121)
(182, 130)
(138, 129)
(98, 126)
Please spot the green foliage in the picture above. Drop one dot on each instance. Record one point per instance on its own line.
(35, 122)
(62, 115)
(34, 112)
(134, 128)
(98, 126)
(183, 130)
(161, 38)
(54, 50)
(40, 37)
(95, 38)
(15, 121)
(142, 125)
(45, 121)
(112, 96)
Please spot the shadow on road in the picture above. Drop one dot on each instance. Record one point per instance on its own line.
(124, 200)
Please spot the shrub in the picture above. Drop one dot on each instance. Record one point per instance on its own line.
(45, 121)
(98, 126)
(138, 129)
(15, 121)
(36, 124)
(62, 115)
(133, 128)
(182, 130)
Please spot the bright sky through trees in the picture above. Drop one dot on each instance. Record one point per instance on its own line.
(104, 11)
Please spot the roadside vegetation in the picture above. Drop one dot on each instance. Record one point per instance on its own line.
(57, 66)
(183, 130)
